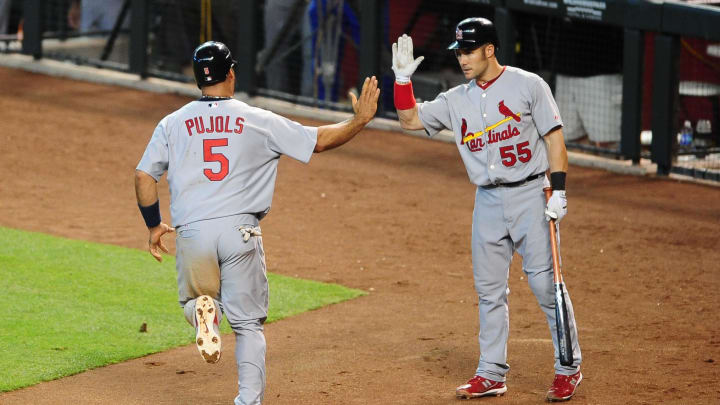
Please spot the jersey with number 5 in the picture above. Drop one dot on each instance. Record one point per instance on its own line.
(497, 126)
(221, 157)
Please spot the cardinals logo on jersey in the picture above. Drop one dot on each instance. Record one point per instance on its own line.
(504, 110)
(492, 134)
(496, 132)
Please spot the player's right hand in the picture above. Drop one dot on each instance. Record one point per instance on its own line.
(155, 240)
(556, 206)
(403, 63)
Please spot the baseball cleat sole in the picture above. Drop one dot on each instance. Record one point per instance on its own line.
(207, 337)
(559, 399)
(467, 395)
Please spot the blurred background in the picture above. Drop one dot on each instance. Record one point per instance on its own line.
(633, 79)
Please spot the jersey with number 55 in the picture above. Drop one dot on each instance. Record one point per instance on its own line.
(221, 157)
(497, 126)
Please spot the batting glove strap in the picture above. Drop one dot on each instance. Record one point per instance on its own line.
(556, 206)
(151, 214)
(403, 96)
(402, 79)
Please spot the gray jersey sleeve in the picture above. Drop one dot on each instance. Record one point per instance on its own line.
(435, 115)
(545, 112)
(287, 137)
(155, 159)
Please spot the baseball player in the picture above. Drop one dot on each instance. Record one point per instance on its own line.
(221, 157)
(509, 133)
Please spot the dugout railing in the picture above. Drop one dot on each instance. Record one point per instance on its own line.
(627, 74)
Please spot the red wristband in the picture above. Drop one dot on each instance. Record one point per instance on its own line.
(404, 97)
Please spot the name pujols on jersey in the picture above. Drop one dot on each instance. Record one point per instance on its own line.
(214, 124)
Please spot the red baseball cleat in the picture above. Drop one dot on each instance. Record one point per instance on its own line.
(479, 387)
(563, 387)
(207, 329)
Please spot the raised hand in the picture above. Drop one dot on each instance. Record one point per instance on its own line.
(365, 106)
(403, 63)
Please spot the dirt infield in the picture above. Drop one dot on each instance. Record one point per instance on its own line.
(391, 215)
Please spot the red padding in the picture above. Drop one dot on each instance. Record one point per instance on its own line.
(404, 97)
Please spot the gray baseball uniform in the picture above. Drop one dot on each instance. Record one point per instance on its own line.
(221, 157)
(498, 128)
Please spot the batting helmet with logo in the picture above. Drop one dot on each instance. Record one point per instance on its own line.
(211, 63)
(474, 32)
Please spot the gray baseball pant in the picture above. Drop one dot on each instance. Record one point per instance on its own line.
(508, 219)
(213, 259)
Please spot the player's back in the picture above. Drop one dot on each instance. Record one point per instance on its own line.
(222, 158)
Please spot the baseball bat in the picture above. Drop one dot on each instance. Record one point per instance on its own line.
(561, 315)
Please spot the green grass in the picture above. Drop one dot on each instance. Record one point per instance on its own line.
(70, 306)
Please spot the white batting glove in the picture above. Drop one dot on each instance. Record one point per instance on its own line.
(402, 57)
(556, 206)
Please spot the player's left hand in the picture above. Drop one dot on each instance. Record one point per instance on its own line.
(155, 242)
(556, 206)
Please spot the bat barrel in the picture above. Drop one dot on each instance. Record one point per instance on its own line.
(563, 327)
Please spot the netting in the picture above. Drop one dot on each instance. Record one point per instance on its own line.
(582, 62)
(308, 51)
(698, 108)
(431, 25)
(177, 27)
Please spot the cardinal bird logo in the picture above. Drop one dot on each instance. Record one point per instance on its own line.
(504, 110)
(472, 140)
